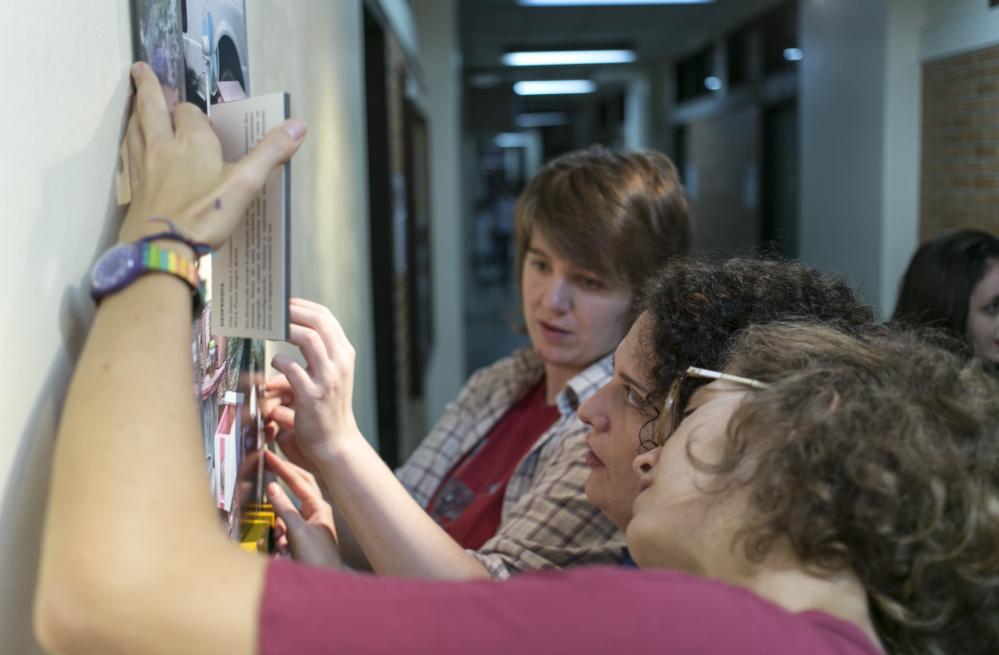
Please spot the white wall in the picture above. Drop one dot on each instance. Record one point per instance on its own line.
(63, 115)
(61, 131)
(842, 131)
(901, 146)
(437, 23)
(956, 26)
(314, 51)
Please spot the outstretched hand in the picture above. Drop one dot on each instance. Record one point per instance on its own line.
(176, 170)
(308, 533)
(320, 394)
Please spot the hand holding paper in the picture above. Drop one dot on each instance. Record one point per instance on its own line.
(176, 169)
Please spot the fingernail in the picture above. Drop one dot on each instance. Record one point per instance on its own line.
(136, 68)
(295, 129)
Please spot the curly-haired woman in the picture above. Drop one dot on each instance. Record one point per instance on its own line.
(836, 475)
(690, 313)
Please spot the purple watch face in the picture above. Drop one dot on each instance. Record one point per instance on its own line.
(115, 269)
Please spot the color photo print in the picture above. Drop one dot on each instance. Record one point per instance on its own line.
(198, 50)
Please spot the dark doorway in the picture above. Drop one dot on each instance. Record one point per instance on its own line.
(380, 211)
(779, 180)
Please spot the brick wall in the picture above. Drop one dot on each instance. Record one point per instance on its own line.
(960, 144)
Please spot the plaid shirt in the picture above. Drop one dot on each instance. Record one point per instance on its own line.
(546, 521)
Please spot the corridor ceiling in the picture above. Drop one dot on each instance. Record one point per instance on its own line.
(489, 28)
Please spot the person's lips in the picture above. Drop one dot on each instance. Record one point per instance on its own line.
(591, 458)
(593, 461)
(553, 332)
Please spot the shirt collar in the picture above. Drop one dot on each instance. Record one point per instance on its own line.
(584, 384)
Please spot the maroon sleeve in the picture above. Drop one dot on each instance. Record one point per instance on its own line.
(601, 610)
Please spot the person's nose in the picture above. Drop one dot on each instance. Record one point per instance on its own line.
(645, 462)
(591, 412)
(558, 296)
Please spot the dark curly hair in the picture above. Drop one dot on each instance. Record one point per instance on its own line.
(939, 280)
(876, 453)
(697, 307)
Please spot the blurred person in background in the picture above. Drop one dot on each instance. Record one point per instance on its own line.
(952, 283)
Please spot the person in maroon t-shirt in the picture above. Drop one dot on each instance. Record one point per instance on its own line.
(825, 494)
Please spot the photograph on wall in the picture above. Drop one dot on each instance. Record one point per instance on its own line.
(198, 50)
(157, 40)
(215, 51)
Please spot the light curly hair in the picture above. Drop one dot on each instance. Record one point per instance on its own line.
(877, 453)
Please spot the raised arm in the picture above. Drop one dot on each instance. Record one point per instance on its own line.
(398, 537)
(158, 576)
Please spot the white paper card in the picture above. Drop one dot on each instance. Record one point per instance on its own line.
(250, 273)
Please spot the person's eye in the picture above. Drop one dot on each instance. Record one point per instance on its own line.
(632, 398)
(992, 309)
(591, 283)
(539, 264)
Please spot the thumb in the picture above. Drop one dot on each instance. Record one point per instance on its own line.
(245, 178)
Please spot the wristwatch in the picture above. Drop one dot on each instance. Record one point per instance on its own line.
(124, 263)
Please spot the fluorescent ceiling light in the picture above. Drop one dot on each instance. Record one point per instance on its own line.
(554, 87)
(542, 119)
(567, 57)
(511, 140)
(607, 3)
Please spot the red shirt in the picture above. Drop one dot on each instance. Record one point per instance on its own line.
(468, 503)
(307, 611)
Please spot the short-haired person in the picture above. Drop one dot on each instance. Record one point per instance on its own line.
(497, 486)
(689, 314)
(952, 283)
(887, 442)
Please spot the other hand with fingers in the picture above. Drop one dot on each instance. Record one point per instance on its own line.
(308, 531)
(319, 395)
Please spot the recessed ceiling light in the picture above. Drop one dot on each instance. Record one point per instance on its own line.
(793, 54)
(607, 3)
(712, 83)
(567, 57)
(554, 87)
